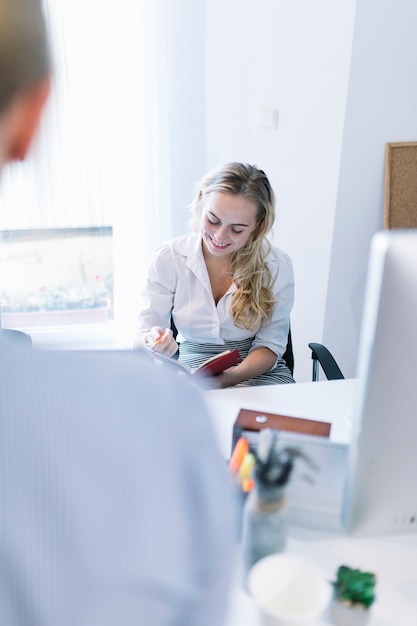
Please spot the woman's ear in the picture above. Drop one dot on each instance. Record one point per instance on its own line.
(23, 119)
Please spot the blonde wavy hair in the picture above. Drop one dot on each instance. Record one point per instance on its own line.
(253, 302)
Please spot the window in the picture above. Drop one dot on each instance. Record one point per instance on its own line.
(80, 216)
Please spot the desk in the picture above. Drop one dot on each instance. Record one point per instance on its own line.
(329, 401)
(393, 559)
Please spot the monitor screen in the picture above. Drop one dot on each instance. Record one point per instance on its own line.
(381, 491)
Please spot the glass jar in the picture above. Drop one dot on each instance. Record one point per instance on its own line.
(264, 526)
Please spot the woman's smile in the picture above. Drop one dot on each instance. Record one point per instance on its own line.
(217, 244)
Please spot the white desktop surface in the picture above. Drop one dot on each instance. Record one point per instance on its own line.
(392, 558)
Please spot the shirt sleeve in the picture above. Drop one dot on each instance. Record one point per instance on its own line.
(274, 335)
(157, 296)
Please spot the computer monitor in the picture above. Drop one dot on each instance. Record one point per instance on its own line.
(381, 487)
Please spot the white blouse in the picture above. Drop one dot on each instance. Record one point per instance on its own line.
(178, 282)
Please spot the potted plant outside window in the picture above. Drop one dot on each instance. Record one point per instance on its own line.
(88, 303)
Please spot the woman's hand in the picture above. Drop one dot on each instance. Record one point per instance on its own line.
(219, 381)
(223, 380)
(160, 340)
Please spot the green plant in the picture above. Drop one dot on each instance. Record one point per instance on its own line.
(352, 586)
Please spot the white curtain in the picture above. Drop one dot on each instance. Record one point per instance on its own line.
(101, 156)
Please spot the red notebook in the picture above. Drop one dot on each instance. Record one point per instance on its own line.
(217, 364)
(212, 366)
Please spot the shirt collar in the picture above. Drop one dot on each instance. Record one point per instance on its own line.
(190, 247)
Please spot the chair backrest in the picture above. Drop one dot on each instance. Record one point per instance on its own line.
(288, 355)
(321, 355)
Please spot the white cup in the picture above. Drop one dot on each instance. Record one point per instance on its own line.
(289, 590)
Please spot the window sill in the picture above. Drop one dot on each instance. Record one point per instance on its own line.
(73, 337)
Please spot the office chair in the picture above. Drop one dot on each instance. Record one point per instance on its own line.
(321, 355)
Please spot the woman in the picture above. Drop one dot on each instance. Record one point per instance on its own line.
(224, 285)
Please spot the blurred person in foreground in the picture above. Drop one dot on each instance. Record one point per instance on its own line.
(116, 507)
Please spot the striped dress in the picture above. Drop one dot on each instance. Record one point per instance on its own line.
(194, 354)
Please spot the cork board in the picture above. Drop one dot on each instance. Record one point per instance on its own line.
(400, 197)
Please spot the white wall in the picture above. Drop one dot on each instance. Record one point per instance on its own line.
(293, 56)
(381, 107)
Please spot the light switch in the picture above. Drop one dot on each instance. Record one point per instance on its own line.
(268, 118)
